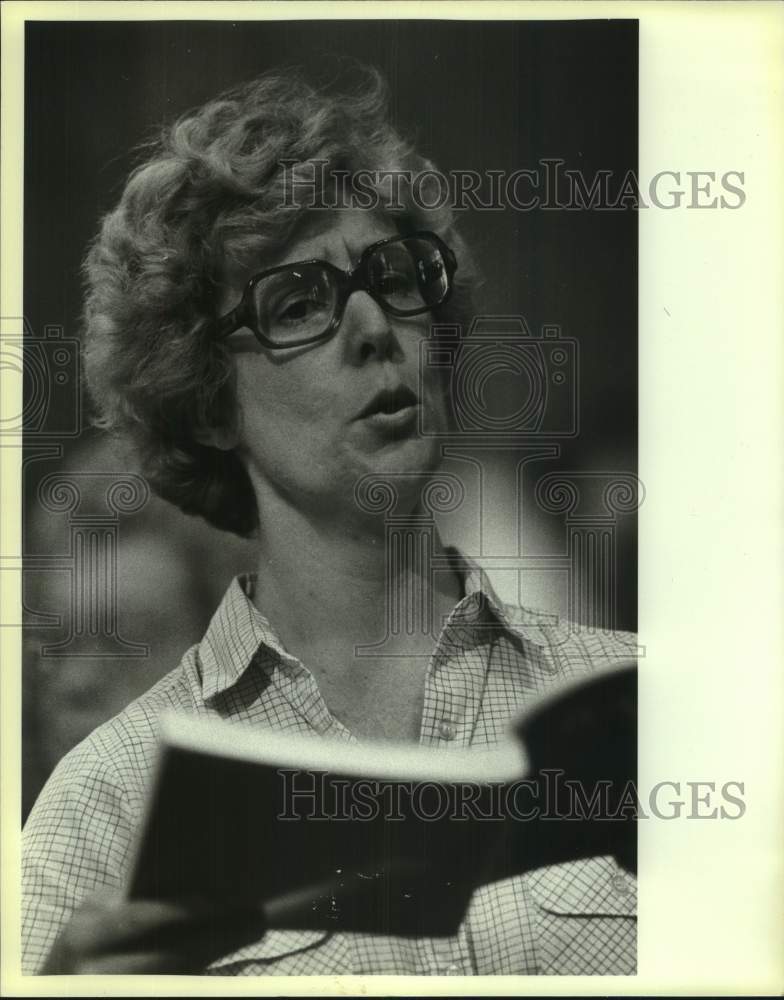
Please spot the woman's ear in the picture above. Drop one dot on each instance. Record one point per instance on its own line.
(223, 438)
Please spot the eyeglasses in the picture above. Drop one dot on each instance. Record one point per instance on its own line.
(302, 303)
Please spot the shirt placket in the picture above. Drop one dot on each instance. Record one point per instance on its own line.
(454, 685)
(446, 956)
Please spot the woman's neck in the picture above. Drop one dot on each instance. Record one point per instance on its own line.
(335, 584)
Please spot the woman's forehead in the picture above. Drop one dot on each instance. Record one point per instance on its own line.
(337, 236)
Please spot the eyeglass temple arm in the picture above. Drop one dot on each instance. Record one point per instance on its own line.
(229, 323)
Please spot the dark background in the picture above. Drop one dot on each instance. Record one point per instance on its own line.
(472, 95)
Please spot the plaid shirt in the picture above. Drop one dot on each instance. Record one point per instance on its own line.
(573, 918)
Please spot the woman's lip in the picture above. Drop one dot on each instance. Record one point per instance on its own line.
(392, 421)
(389, 400)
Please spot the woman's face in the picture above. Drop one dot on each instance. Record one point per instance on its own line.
(303, 430)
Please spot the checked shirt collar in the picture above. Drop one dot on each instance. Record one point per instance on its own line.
(239, 633)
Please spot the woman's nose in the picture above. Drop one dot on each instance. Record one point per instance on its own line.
(367, 328)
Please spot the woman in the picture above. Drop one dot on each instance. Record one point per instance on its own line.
(253, 323)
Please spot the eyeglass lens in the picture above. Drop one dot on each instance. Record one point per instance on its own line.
(295, 304)
(406, 276)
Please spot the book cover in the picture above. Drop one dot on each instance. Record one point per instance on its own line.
(385, 837)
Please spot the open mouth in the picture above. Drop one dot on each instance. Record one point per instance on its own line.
(389, 402)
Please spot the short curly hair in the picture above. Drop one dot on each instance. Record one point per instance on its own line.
(209, 196)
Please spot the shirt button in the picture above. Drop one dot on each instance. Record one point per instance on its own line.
(452, 970)
(620, 885)
(447, 731)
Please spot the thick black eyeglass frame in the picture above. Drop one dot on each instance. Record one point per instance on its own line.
(348, 282)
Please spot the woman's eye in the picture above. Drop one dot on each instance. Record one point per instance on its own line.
(393, 281)
(298, 310)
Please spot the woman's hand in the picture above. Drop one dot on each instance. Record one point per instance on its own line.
(110, 934)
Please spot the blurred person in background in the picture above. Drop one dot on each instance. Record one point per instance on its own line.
(171, 573)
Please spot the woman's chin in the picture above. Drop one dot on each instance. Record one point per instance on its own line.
(411, 456)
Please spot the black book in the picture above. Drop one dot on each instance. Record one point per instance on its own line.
(387, 837)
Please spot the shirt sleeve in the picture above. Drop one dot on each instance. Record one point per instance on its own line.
(76, 840)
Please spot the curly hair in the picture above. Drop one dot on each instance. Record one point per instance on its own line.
(208, 197)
